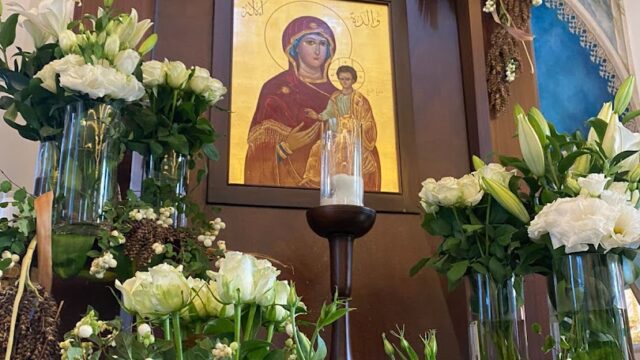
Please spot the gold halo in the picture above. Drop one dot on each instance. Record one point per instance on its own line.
(336, 63)
(282, 16)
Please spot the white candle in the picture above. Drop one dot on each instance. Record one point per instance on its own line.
(345, 190)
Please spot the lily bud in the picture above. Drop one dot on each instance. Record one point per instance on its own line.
(508, 200)
(530, 146)
(572, 185)
(623, 96)
(112, 46)
(582, 165)
(540, 120)
(477, 163)
(605, 114)
(388, 348)
(612, 137)
(634, 175)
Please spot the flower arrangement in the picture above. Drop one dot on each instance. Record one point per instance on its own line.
(584, 192)
(171, 119)
(71, 62)
(216, 319)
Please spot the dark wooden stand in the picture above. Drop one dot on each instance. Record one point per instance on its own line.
(341, 225)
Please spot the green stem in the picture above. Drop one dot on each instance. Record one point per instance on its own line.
(270, 332)
(249, 325)
(238, 325)
(554, 175)
(177, 335)
(167, 328)
(486, 224)
(174, 103)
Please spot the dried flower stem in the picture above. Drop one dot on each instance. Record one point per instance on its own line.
(26, 264)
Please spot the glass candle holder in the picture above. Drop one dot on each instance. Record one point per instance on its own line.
(341, 180)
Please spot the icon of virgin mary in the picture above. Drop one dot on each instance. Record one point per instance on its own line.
(281, 135)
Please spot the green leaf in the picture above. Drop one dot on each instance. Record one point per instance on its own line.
(5, 186)
(211, 151)
(623, 156)
(436, 226)
(567, 162)
(504, 233)
(536, 328)
(179, 143)
(630, 116)
(470, 229)
(218, 326)
(479, 268)
(8, 31)
(497, 270)
(599, 126)
(321, 350)
(457, 271)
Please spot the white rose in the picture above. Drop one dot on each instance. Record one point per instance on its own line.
(616, 194)
(159, 292)
(214, 91)
(126, 61)
(593, 184)
(242, 278)
(470, 189)
(67, 40)
(447, 192)
(204, 304)
(497, 173)
(170, 287)
(574, 223)
(199, 80)
(51, 70)
(276, 297)
(177, 73)
(427, 198)
(153, 73)
(626, 230)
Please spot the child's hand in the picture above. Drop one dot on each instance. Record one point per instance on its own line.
(311, 114)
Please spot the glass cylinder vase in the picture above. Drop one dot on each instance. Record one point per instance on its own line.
(498, 330)
(46, 167)
(588, 308)
(341, 181)
(87, 180)
(164, 182)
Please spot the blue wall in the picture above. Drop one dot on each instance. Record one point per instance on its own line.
(570, 88)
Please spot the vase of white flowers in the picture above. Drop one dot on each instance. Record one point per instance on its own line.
(590, 236)
(588, 308)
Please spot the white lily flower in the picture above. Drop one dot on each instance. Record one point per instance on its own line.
(44, 20)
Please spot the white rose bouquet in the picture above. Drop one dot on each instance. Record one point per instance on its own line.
(173, 115)
(482, 221)
(224, 314)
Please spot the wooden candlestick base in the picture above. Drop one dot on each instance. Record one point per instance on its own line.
(341, 225)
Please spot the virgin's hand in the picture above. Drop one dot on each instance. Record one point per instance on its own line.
(299, 138)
